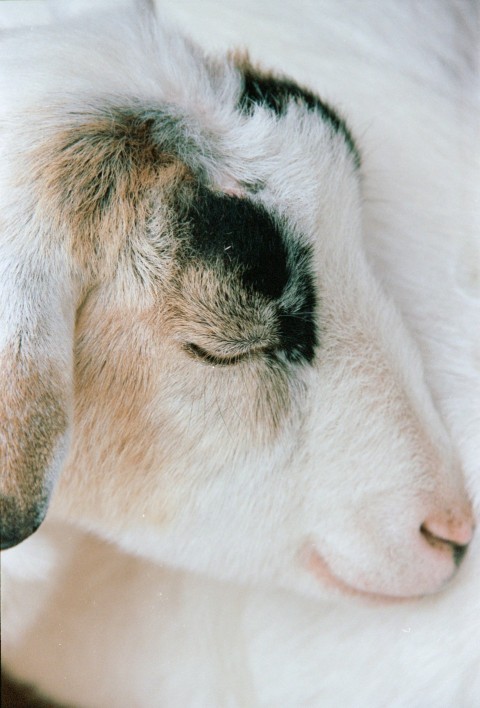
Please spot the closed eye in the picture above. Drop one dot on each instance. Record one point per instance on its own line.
(214, 359)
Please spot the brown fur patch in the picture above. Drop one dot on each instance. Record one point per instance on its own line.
(96, 178)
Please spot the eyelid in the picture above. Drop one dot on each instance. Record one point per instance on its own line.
(214, 359)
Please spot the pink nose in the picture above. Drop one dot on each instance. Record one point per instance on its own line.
(449, 530)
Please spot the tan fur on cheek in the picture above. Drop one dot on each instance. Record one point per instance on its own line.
(113, 475)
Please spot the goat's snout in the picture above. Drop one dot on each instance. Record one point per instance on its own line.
(449, 531)
(407, 570)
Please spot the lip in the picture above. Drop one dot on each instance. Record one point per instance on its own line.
(317, 566)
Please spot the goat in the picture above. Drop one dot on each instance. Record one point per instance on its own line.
(201, 365)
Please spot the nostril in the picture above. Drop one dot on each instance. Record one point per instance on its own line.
(458, 553)
(448, 534)
(449, 528)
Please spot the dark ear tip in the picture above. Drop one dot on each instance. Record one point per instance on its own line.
(15, 526)
(6, 543)
(9, 539)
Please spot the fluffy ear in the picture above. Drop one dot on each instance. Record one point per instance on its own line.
(36, 333)
(65, 224)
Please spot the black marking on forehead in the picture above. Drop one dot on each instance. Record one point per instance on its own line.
(249, 241)
(275, 93)
(241, 234)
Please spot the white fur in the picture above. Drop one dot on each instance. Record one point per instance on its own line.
(415, 115)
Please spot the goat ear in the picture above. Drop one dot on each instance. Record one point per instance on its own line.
(36, 324)
(87, 182)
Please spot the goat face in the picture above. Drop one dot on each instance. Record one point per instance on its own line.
(241, 398)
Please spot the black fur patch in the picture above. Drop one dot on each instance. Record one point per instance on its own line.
(246, 238)
(240, 234)
(276, 92)
(297, 329)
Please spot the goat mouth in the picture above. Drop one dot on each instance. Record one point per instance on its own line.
(317, 566)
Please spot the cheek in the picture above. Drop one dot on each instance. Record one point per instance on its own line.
(155, 431)
(112, 466)
(231, 408)
(152, 426)
(112, 473)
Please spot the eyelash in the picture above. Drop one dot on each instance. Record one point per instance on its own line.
(199, 353)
